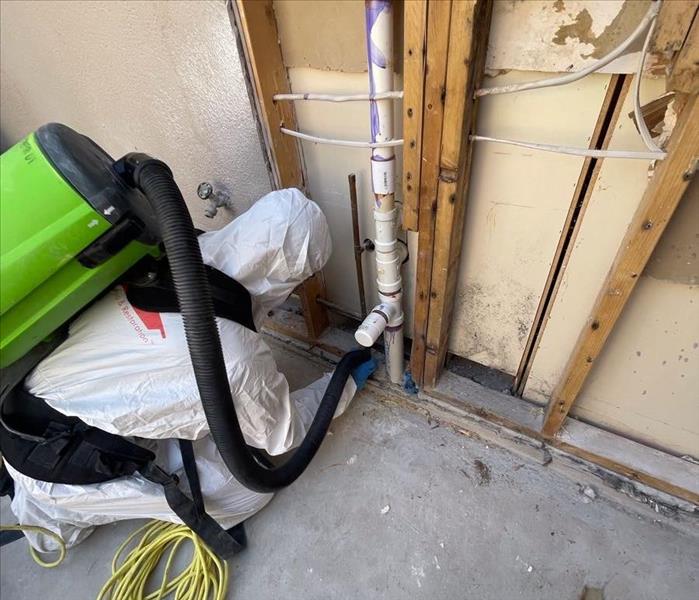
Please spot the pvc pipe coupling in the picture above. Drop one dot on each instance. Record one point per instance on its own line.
(385, 223)
(382, 315)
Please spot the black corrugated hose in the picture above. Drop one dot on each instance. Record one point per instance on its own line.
(155, 180)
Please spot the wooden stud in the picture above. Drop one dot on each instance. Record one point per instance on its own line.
(438, 16)
(468, 42)
(415, 29)
(257, 28)
(684, 74)
(601, 137)
(314, 313)
(647, 225)
(673, 23)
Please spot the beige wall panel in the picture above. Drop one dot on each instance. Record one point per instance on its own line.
(646, 381)
(322, 35)
(158, 77)
(518, 202)
(616, 195)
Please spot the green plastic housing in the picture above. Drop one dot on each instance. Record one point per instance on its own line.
(44, 224)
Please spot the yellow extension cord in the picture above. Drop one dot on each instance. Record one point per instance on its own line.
(35, 555)
(205, 578)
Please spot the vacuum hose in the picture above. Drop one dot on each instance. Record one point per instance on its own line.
(155, 180)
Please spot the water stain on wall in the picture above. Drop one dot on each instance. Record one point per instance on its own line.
(581, 28)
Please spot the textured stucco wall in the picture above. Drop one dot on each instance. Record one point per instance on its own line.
(159, 77)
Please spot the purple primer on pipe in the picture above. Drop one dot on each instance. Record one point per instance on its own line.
(373, 8)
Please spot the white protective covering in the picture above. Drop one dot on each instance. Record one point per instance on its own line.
(128, 372)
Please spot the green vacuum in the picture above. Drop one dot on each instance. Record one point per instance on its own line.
(69, 228)
(74, 223)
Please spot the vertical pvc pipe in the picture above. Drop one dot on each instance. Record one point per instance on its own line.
(379, 30)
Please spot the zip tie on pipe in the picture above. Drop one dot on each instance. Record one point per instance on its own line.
(571, 77)
(348, 143)
(640, 121)
(339, 98)
(657, 155)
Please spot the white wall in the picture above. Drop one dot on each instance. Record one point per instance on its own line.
(158, 77)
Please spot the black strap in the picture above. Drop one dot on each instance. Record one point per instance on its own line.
(7, 484)
(190, 471)
(222, 542)
(231, 300)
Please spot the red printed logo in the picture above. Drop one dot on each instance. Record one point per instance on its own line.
(151, 320)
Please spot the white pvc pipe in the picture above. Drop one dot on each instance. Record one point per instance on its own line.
(349, 143)
(658, 155)
(379, 30)
(395, 95)
(571, 77)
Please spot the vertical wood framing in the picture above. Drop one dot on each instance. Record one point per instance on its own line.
(684, 76)
(438, 17)
(659, 201)
(415, 30)
(610, 110)
(672, 25)
(263, 56)
(468, 42)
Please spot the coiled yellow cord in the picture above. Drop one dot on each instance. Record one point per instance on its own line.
(35, 555)
(205, 577)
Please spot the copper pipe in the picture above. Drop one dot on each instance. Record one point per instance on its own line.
(358, 248)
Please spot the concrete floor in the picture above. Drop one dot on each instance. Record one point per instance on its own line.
(396, 507)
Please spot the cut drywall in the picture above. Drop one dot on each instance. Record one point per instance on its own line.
(158, 77)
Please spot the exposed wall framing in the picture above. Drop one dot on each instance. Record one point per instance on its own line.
(662, 196)
(617, 90)
(257, 28)
(415, 31)
(438, 18)
(448, 120)
(684, 74)
(673, 24)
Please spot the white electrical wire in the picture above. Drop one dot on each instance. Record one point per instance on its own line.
(338, 97)
(656, 155)
(571, 77)
(640, 121)
(348, 143)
